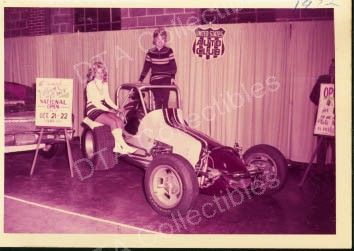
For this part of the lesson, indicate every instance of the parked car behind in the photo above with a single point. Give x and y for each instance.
(21, 134)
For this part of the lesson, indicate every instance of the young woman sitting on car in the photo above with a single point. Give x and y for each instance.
(101, 108)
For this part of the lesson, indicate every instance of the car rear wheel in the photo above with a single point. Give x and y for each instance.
(273, 164)
(170, 184)
(97, 146)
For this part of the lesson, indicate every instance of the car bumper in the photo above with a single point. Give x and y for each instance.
(15, 142)
(22, 148)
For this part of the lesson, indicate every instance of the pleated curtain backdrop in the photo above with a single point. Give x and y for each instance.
(257, 92)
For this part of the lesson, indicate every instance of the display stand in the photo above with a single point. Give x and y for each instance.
(54, 98)
(68, 147)
(319, 142)
(325, 121)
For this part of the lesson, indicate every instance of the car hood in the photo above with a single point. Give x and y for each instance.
(174, 117)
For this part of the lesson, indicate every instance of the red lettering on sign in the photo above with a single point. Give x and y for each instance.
(328, 91)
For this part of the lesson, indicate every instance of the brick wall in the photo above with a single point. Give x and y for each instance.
(38, 21)
(135, 18)
(281, 15)
(16, 22)
(41, 21)
(62, 20)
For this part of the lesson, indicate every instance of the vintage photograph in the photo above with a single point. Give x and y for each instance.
(170, 120)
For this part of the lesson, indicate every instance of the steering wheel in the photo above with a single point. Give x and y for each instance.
(126, 106)
(122, 115)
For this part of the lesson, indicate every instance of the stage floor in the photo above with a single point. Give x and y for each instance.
(113, 201)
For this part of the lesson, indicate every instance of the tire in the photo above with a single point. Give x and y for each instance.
(175, 169)
(52, 150)
(97, 146)
(274, 165)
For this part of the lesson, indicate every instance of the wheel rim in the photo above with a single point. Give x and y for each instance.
(166, 186)
(264, 162)
(269, 176)
(89, 145)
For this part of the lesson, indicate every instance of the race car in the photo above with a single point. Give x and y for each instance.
(179, 161)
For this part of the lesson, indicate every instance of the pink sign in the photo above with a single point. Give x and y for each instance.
(325, 121)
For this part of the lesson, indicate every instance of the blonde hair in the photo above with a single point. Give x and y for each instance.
(159, 32)
(92, 71)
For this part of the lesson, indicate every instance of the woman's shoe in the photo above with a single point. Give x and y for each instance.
(120, 145)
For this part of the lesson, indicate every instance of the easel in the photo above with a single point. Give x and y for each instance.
(319, 142)
(70, 157)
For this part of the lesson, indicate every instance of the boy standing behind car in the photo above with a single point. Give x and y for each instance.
(163, 66)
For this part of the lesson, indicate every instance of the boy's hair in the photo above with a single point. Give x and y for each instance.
(92, 71)
(159, 32)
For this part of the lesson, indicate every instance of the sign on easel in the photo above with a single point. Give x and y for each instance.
(54, 98)
(325, 121)
(54, 102)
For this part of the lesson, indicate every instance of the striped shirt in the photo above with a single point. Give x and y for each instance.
(161, 62)
(98, 98)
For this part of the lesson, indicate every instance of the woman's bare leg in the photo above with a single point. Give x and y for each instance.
(117, 120)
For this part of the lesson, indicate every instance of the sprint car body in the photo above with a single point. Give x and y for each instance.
(180, 161)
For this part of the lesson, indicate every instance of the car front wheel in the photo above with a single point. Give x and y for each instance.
(171, 185)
